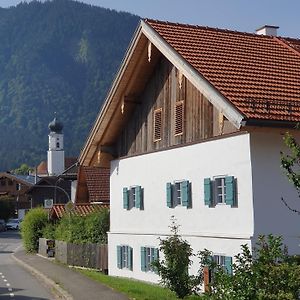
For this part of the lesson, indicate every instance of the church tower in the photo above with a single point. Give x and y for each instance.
(56, 153)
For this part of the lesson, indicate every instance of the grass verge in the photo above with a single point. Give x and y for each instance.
(134, 289)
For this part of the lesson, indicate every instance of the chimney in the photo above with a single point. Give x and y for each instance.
(267, 30)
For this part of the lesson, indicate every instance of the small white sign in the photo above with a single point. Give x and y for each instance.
(48, 203)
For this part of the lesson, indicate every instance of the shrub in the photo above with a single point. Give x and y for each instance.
(89, 229)
(48, 231)
(32, 228)
(174, 268)
(267, 274)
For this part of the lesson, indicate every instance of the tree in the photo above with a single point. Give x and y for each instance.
(268, 273)
(174, 268)
(291, 165)
(24, 169)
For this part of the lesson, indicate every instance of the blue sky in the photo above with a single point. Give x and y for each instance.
(241, 15)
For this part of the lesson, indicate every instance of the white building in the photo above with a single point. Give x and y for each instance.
(193, 128)
(56, 153)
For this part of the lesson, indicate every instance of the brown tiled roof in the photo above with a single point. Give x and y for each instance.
(97, 180)
(259, 74)
(82, 209)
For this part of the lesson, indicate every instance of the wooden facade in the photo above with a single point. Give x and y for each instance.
(186, 115)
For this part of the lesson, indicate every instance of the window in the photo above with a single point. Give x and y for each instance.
(57, 145)
(224, 262)
(179, 193)
(148, 256)
(157, 126)
(3, 182)
(124, 257)
(222, 189)
(10, 182)
(133, 197)
(18, 186)
(179, 118)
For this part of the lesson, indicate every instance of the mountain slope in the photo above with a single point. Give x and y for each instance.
(57, 56)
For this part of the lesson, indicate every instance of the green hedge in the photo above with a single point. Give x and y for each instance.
(32, 228)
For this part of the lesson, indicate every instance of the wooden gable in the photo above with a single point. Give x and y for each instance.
(185, 115)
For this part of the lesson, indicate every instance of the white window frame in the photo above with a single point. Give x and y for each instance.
(177, 192)
(125, 252)
(150, 254)
(133, 189)
(220, 189)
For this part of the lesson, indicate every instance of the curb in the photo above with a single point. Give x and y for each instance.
(58, 292)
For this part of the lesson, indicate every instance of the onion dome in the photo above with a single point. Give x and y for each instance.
(55, 126)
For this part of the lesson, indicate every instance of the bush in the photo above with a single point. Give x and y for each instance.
(79, 230)
(174, 268)
(267, 274)
(48, 231)
(32, 228)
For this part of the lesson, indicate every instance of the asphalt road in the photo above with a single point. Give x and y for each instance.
(15, 282)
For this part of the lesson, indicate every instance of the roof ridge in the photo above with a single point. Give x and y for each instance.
(148, 20)
(282, 41)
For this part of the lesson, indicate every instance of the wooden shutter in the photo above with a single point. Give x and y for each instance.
(130, 257)
(138, 197)
(228, 264)
(119, 257)
(125, 198)
(179, 117)
(143, 259)
(207, 192)
(169, 195)
(185, 193)
(157, 126)
(230, 190)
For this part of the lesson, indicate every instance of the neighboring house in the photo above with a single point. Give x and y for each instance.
(16, 187)
(193, 128)
(70, 174)
(93, 185)
(50, 190)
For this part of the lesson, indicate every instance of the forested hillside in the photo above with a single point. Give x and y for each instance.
(57, 56)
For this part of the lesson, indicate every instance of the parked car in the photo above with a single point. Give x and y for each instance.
(2, 225)
(13, 224)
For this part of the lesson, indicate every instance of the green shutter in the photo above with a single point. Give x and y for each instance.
(207, 192)
(125, 198)
(230, 190)
(119, 257)
(228, 264)
(169, 195)
(130, 257)
(156, 257)
(143, 259)
(138, 197)
(185, 193)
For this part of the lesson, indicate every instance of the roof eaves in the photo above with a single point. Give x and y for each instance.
(197, 79)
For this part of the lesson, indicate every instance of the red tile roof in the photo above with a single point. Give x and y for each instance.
(259, 74)
(97, 181)
(82, 209)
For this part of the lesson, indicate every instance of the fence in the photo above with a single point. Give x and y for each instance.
(93, 256)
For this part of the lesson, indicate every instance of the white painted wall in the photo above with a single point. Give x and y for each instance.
(73, 190)
(269, 185)
(205, 227)
(55, 162)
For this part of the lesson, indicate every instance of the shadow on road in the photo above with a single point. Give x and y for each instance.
(6, 252)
